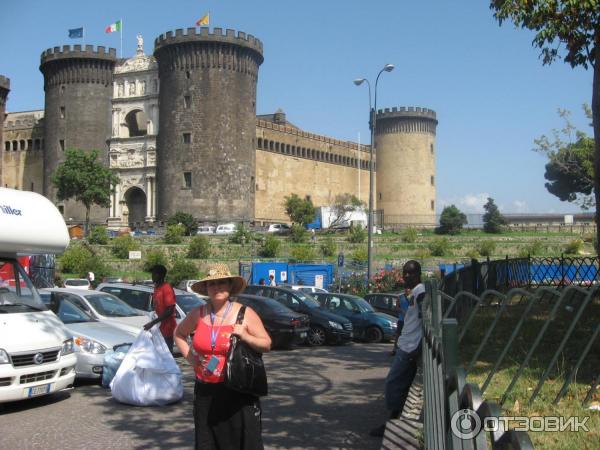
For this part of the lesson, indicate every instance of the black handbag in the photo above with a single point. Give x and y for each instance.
(244, 368)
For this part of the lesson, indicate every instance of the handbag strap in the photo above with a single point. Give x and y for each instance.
(240, 316)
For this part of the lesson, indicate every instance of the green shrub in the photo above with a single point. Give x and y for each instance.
(98, 235)
(96, 265)
(439, 246)
(74, 258)
(302, 253)
(298, 234)
(409, 235)
(486, 248)
(357, 234)
(328, 247)
(185, 219)
(174, 234)
(472, 253)
(359, 255)
(270, 247)
(153, 258)
(422, 253)
(532, 249)
(182, 269)
(574, 247)
(451, 221)
(242, 235)
(199, 248)
(122, 245)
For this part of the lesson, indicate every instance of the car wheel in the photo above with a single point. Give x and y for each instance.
(316, 336)
(373, 334)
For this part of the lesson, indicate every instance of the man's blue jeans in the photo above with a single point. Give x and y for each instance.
(399, 379)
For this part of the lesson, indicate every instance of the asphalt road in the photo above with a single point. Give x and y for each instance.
(320, 398)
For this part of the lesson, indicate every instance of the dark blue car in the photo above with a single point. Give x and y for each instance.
(369, 325)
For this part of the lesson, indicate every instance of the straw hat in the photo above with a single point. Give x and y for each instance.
(219, 272)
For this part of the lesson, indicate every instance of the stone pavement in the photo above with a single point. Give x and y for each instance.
(320, 398)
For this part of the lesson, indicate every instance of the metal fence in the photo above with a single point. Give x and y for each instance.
(453, 408)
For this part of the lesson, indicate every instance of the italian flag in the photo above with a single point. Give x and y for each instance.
(113, 27)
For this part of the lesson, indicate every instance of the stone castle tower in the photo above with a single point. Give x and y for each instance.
(405, 145)
(78, 87)
(4, 90)
(207, 141)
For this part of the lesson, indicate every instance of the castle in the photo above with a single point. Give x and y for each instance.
(180, 130)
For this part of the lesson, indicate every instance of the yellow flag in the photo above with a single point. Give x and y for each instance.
(204, 20)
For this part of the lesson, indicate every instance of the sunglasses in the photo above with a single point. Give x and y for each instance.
(217, 283)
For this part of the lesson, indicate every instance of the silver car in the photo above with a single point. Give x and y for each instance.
(92, 338)
(103, 306)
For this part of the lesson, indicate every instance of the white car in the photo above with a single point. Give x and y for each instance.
(101, 306)
(280, 228)
(308, 289)
(205, 230)
(186, 285)
(226, 228)
(77, 283)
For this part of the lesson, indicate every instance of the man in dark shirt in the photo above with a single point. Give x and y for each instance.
(163, 300)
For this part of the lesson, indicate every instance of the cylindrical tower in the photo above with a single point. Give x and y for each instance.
(207, 122)
(4, 90)
(78, 86)
(405, 146)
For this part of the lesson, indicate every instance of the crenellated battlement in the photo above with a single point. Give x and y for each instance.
(305, 134)
(406, 111)
(77, 51)
(4, 83)
(205, 35)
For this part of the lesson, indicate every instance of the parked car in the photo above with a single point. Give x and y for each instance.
(308, 289)
(92, 338)
(186, 285)
(139, 296)
(77, 283)
(324, 325)
(286, 327)
(226, 228)
(279, 228)
(205, 230)
(370, 325)
(389, 303)
(101, 306)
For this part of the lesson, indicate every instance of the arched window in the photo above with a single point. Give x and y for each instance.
(260, 143)
(137, 123)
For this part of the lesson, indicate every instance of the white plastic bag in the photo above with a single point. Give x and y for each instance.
(148, 375)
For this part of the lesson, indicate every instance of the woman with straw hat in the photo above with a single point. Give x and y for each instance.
(223, 418)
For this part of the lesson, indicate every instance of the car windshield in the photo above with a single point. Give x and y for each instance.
(362, 304)
(78, 282)
(273, 305)
(188, 302)
(111, 306)
(17, 293)
(307, 299)
(69, 313)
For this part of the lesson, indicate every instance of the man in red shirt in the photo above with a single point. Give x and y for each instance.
(164, 305)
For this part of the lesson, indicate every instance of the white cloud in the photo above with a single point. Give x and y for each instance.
(520, 206)
(469, 203)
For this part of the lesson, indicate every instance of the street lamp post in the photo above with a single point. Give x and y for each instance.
(372, 126)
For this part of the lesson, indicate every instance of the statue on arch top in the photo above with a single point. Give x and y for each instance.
(140, 44)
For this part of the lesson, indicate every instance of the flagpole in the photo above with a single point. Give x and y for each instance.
(83, 37)
(121, 20)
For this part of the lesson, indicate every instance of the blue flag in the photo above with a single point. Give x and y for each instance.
(76, 33)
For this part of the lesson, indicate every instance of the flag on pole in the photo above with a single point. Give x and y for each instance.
(204, 20)
(113, 27)
(76, 33)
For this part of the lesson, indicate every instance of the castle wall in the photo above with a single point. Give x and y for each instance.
(207, 113)
(405, 145)
(78, 85)
(22, 154)
(289, 160)
(4, 90)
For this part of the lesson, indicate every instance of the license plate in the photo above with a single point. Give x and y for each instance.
(303, 335)
(38, 390)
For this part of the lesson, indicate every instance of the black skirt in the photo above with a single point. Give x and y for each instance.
(225, 419)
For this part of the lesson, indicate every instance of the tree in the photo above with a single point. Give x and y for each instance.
(185, 219)
(570, 169)
(492, 219)
(83, 177)
(451, 221)
(576, 25)
(342, 206)
(300, 211)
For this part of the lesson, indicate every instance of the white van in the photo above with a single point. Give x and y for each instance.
(36, 351)
(226, 228)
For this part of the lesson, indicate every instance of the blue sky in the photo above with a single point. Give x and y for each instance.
(492, 95)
